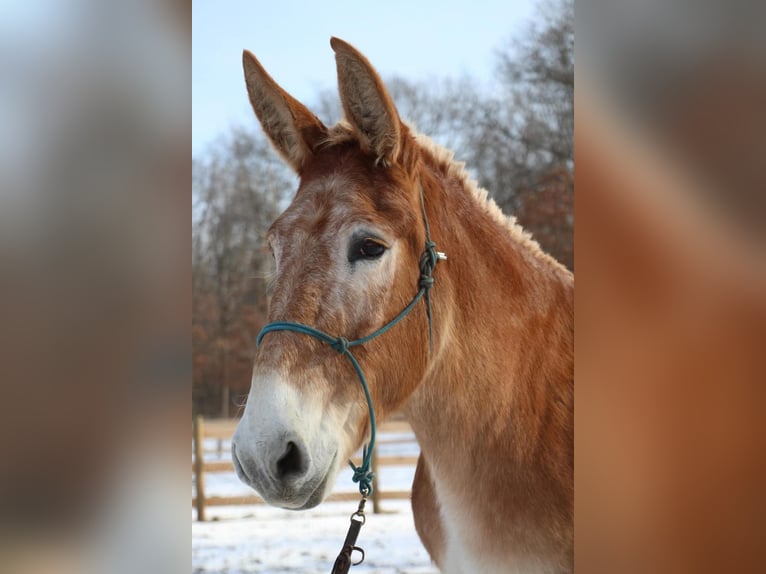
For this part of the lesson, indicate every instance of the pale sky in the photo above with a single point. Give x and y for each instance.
(414, 39)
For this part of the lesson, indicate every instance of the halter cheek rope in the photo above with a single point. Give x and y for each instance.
(363, 474)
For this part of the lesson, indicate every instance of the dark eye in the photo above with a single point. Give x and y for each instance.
(366, 248)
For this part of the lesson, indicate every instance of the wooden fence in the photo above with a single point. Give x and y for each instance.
(223, 429)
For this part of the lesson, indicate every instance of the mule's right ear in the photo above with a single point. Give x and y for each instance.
(290, 126)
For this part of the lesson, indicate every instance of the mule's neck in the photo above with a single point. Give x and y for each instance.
(502, 366)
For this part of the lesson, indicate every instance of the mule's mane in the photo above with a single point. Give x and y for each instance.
(443, 160)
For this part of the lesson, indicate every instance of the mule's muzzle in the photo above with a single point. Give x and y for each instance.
(281, 471)
(280, 462)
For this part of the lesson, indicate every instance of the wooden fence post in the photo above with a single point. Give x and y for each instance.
(199, 465)
(375, 491)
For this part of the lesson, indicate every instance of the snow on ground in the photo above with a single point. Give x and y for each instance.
(261, 539)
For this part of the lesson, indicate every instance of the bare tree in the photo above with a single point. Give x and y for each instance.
(521, 140)
(238, 187)
(526, 130)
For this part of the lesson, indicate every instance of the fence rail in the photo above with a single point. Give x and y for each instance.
(223, 429)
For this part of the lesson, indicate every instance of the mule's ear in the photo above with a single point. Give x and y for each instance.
(366, 103)
(290, 126)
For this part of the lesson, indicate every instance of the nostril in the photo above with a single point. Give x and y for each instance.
(291, 463)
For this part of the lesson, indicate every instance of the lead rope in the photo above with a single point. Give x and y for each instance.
(363, 473)
(343, 561)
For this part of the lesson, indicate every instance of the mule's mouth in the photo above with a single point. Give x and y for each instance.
(288, 495)
(318, 494)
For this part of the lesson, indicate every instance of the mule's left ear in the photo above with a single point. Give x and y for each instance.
(366, 103)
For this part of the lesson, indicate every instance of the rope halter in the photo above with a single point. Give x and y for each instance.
(363, 474)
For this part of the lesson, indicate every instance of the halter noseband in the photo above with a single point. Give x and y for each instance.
(363, 473)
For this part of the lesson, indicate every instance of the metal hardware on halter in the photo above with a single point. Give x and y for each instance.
(343, 561)
(441, 255)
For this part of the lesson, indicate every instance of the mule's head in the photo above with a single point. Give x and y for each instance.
(346, 253)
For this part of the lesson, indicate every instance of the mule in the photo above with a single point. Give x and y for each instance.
(487, 386)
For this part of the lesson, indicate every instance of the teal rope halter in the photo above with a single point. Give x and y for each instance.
(363, 474)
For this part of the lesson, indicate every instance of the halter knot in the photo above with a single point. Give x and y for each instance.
(428, 261)
(427, 264)
(364, 478)
(340, 345)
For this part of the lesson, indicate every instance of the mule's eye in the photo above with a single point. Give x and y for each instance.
(366, 248)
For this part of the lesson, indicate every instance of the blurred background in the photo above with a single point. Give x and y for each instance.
(671, 286)
(94, 289)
